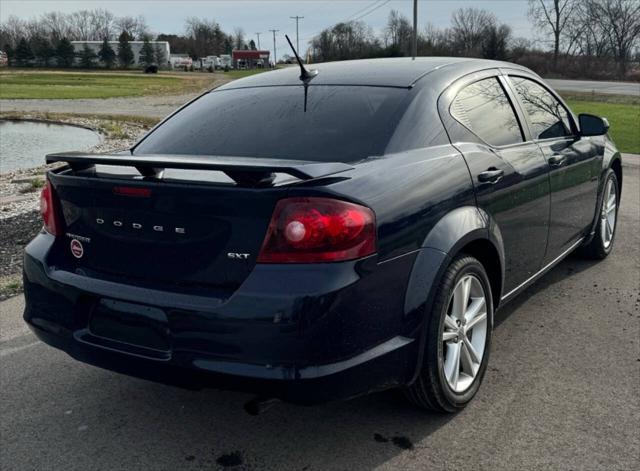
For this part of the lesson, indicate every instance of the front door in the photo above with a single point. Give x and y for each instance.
(573, 164)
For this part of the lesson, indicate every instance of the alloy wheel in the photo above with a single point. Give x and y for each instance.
(465, 333)
(608, 214)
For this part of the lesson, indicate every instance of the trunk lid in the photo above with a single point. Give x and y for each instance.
(168, 229)
(179, 234)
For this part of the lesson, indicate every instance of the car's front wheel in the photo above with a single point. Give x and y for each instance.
(458, 339)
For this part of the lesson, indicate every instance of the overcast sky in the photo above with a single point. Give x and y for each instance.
(167, 16)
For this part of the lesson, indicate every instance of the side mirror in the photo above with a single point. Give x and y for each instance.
(591, 125)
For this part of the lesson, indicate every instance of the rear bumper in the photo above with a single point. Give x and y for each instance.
(303, 334)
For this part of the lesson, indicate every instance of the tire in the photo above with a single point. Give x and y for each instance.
(435, 387)
(601, 244)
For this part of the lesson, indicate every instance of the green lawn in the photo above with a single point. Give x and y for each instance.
(48, 84)
(623, 115)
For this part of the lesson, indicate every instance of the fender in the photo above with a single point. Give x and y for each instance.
(450, 234)
(611, 157)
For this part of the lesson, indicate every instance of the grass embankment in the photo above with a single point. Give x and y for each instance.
(23, 84)
(623, 113)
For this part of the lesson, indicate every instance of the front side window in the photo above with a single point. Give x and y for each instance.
(484, 108)
(548, 117)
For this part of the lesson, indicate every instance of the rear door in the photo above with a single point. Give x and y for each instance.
(510, 173)
(573, 162)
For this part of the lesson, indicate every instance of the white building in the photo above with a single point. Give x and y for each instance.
(136, 47)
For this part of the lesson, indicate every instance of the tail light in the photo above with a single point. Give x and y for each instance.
(50, 210)
(311, 230)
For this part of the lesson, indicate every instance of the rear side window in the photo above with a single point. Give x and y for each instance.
(484, 108)
(548, 117)
(341, 123)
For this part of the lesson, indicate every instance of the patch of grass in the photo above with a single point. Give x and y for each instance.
(623, 116)
(22, 84)
(10, 285)
(115, 129)
(34, 185)
(601, 98)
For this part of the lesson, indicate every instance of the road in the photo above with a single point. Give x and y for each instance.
(561, 392)
(590, 86)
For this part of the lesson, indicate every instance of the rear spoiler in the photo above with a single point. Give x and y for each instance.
(247, 169)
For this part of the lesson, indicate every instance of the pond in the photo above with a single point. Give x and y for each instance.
(23, 144)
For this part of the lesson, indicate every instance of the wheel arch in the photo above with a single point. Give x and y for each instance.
(616, 166)
(464, 230)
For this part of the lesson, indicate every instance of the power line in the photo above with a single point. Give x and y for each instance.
(371, 11)
(362, 9)
(362, 12)
(384, 2)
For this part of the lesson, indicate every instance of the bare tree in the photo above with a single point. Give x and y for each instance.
(553, 16)
(350, 40)
(621, 23)
(102, 24)
(57, 25)
(398, 33)
(136, 27)
(468, 26)
(205, 38)
(238, 39)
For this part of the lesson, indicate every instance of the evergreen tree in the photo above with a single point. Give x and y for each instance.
(87, 57)
(147, 54)
(106, 54)
(160, 56)
(24, 54)
(42, 50)
(227, 45)
(125, 54)
(252, 45)
(65, 53)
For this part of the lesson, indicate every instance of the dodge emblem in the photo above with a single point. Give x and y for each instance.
(77, 250)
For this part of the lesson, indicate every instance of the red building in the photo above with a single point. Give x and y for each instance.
(249, 59)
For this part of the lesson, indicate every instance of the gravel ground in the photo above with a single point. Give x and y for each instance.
(19, 197)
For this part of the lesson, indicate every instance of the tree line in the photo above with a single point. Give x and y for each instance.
(39, 51)
(46, 40)
(577, 38)
(586, 38)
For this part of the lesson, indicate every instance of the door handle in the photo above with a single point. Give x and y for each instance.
(492, 175)
(557, 160)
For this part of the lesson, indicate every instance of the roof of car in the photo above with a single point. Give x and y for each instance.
(388, 72)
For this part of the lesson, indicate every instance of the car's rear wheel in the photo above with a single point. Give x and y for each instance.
(458, 339)
(602, 242)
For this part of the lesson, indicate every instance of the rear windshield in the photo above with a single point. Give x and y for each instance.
(341, 123)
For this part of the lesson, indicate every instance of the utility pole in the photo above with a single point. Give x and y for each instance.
(414, 46)
(258, 34)
(297, 18)
(275, 57)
